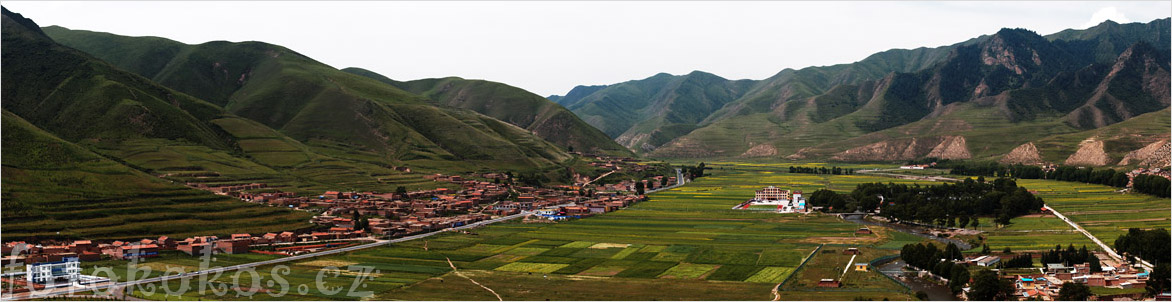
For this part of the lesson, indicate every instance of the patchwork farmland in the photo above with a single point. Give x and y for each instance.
(682, 244)
(685, 236)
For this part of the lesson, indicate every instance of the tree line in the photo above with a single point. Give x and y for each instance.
(950, 205)
(930, 258)
(821, 170)
(1071, 256)
(1147, 184)
(1152, 184)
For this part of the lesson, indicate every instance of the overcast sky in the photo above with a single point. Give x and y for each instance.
(550, 47)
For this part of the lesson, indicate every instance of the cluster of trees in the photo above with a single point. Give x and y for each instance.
(1074, 291)
(1071, 256)
(1150, 245)
(360, 223)
(951, 205)
(987, 286)
(694, 172)
(821, 170)
(1147, 184)
(930, 258)
(1025, 260)
(829, 201)
(639, 188)
(1152, 184)
(532, 179)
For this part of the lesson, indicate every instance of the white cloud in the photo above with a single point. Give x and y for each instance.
(1104, 14)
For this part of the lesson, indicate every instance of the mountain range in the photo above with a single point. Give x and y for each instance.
(953, 101)
(101, 129)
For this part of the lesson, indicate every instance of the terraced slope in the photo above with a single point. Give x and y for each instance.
(54, 189)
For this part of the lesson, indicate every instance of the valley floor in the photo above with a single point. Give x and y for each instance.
(683, 244)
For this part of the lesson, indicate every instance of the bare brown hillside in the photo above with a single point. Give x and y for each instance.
(1026, 154)
(1090, 153)
(1153, 155)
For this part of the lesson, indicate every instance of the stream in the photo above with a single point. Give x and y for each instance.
(936, 292)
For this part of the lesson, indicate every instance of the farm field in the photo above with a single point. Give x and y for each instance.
(1101, 210)
(832, 263)
(1032, 233)
(686, 236)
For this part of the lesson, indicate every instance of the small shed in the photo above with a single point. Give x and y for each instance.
(863, 231)
(851, 251)
(862, 267)
(829, 283)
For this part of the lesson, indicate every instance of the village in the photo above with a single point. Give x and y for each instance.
(349, 218)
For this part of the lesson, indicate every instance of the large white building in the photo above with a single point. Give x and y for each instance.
(786, 201)
(68, 269)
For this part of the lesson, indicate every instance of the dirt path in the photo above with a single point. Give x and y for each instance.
(454, 270)
(776, 295)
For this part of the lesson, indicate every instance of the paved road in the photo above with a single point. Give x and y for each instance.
(106, 285)
(1110, 251)
(679, 182)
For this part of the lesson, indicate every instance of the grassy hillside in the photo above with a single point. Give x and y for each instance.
(55, 189)
(511, 105)
(148, 130)
(644, 114)
(343, 115)
(1012, 82)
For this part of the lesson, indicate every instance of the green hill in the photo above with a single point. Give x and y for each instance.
(53, 189)
(334, 113)
(512, 105)
(895, 105)
(121, 141)
(644, 114)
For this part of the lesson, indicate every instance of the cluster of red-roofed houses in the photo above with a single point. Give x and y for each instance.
(19, 252)
(383, 214)
(1048, 281)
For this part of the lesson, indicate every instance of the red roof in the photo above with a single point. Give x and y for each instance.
(144, 246)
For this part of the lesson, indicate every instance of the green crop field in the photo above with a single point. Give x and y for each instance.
(689, 235)
(1100, 210)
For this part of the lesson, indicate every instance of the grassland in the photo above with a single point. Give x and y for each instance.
(61, 190)
(683, 238)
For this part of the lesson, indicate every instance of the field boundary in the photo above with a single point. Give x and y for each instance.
(800, 266)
